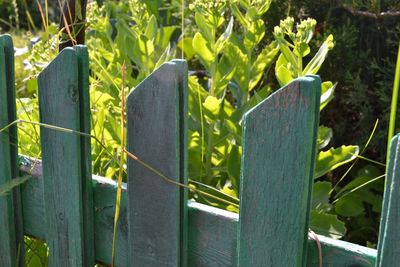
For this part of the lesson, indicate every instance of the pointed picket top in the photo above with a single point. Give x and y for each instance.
(63, 102)
(156, 126)
(277, 174)
(389, 234)
(11, 222)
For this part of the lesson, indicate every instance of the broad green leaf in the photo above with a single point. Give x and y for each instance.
(234, 160)
(327, 93)
(212, 107)
(151, 29)
(153, 6)
(241, 76)
(164, 35)
(195, 154)
(99, 98)
(252, 13)
(203, 50)
(226, 69)
(324, 136)
(264, 59)
(254, 34)
(316, 62)
(264, 7)
(187, 47)
(141, 51)
(327, 225)
(230, 190)
(283, 74)
(333, 158)
(221, 42)
(238, 15)
(350, 205)
(363, 175)
(320, 196)
(204, 27)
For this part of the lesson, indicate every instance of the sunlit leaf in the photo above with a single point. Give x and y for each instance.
(324, 136)
(316, 62)
(327, 93)
(329, 160)
(320, 195)
(221, 42)
(203, 50)
(327, 225)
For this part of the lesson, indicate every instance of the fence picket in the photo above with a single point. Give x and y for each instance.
(389, 232)
(86, 151)
(277, 175)
(156, 216)
(11, 225)
(276, 180)
(62, 94)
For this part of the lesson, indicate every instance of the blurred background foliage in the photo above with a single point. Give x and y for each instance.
(366, 35)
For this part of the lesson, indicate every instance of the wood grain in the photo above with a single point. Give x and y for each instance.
(277, 175)
(389, 233)
(63, 169)
(156, 214)
(86, 152)
(11, 227)
(182, 71)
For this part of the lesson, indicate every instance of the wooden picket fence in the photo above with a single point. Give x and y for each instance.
(73, 210)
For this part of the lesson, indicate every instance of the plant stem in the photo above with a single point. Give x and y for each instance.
(393, 108)
(209, 151)
(300, 66)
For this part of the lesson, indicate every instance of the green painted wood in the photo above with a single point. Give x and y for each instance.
(86, 151)
(11, 227)
(212, 232)
(182, 70)
(154, 134)
(277, 174)
(389, 233)
(60, 90)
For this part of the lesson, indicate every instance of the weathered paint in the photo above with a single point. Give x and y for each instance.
(212, 231)
(160, 116)
(155, 133)
(11, 227)
(60, 92)
(277, 175)
(389, 233)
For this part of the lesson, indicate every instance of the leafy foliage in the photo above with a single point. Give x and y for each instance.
(235, 60)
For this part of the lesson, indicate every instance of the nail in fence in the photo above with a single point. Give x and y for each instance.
(73, 210)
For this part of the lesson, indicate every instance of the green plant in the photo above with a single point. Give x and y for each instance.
(218, 101)
(228, 45)
(395, 95)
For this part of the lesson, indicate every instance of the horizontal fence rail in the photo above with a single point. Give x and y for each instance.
(73, 210)
(211, 231)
